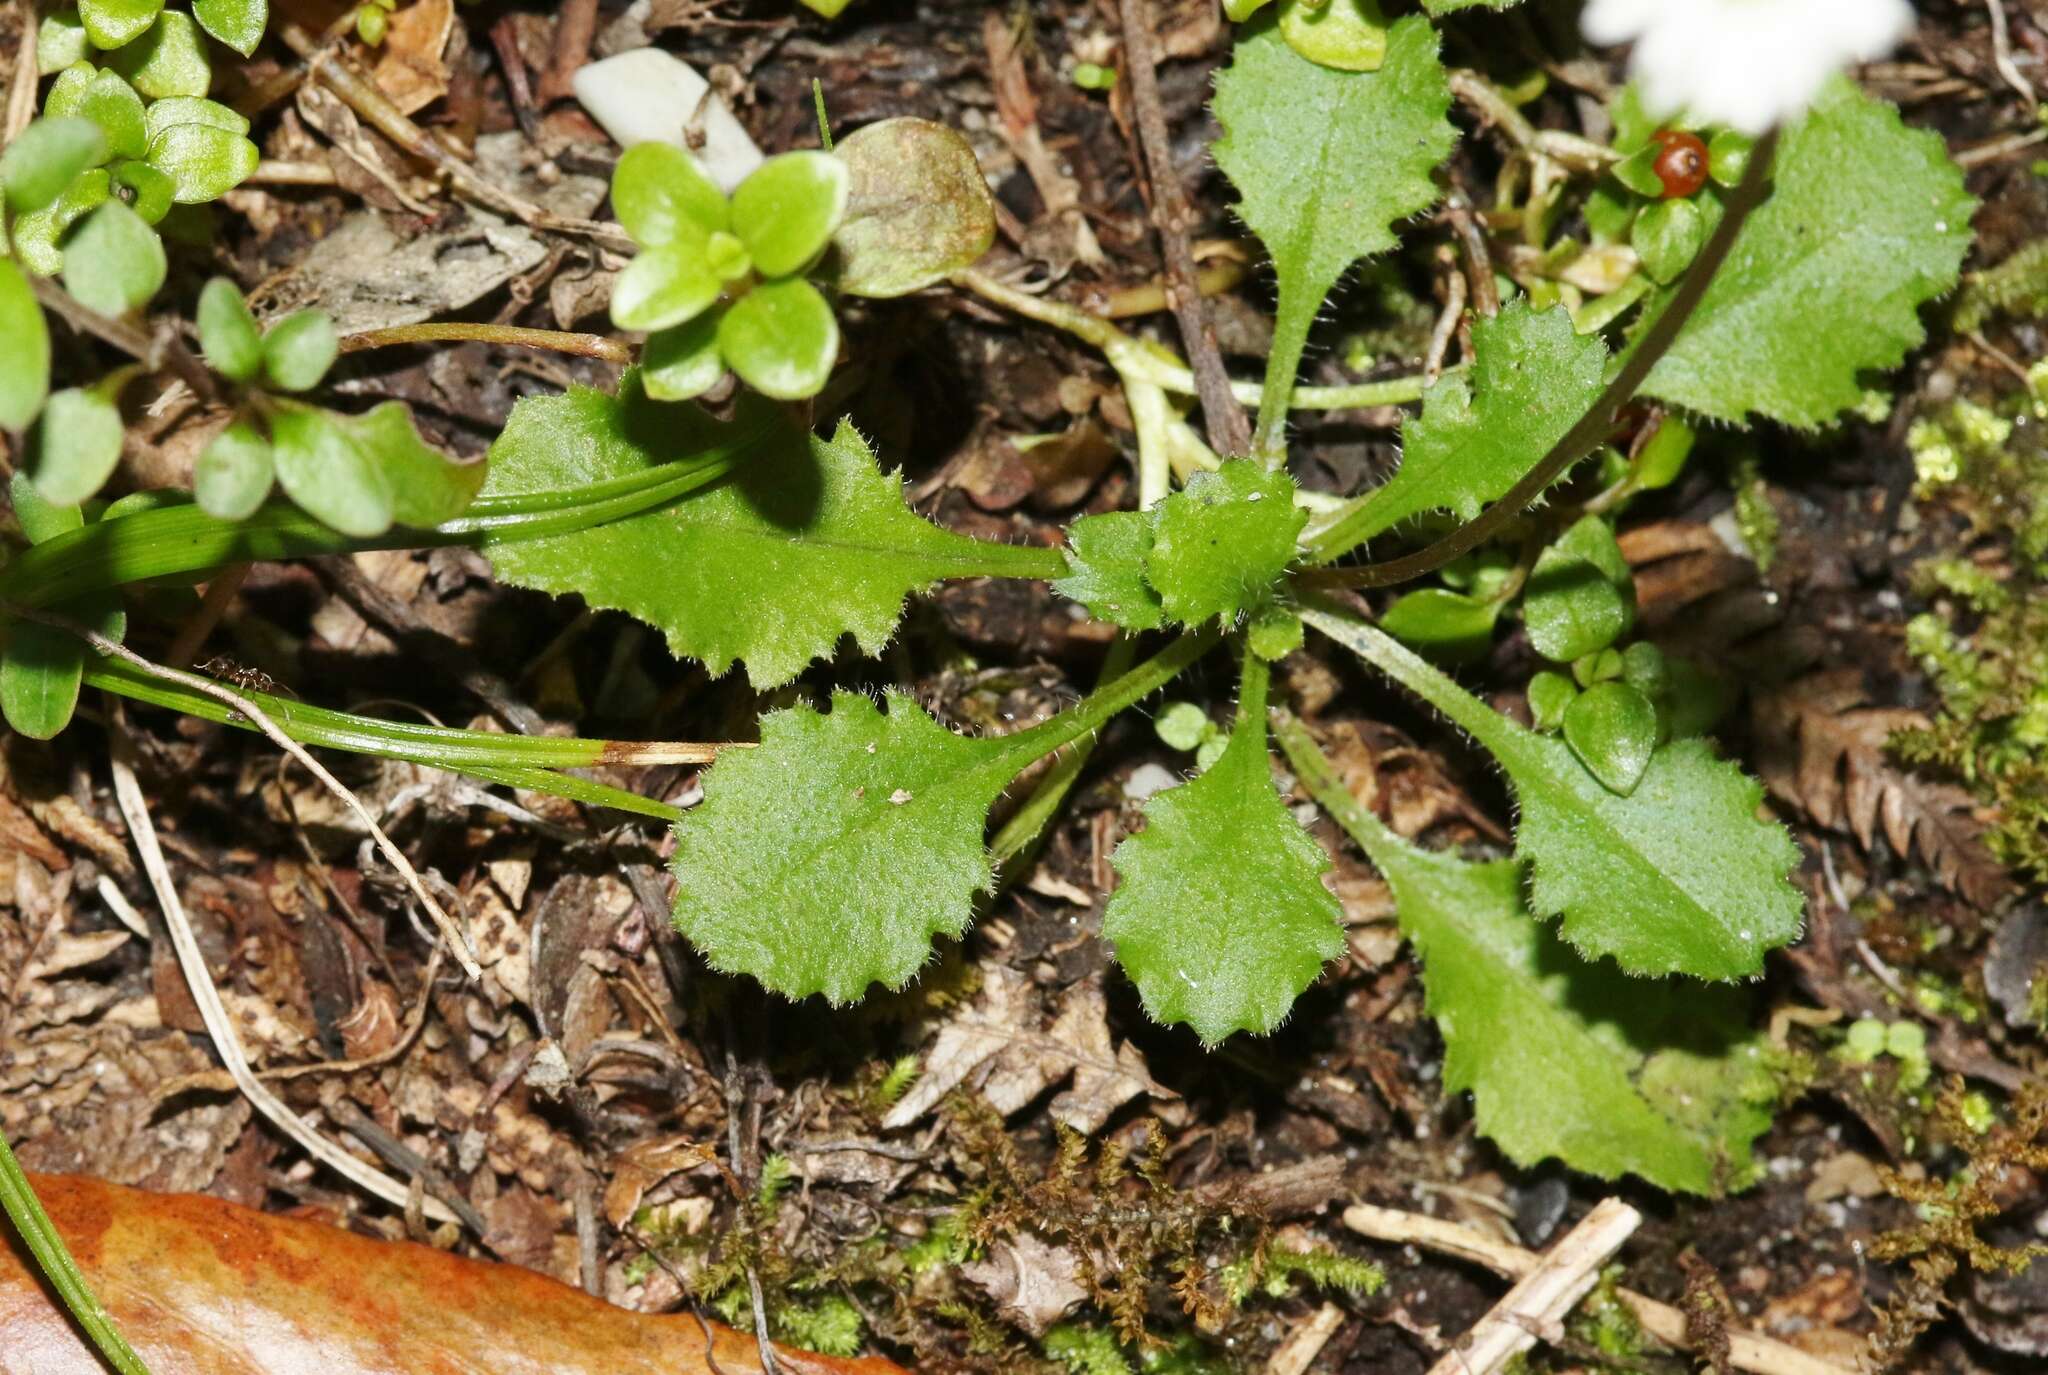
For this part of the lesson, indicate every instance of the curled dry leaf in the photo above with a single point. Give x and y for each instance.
(1823, 750)
(918, 208)
(198, 1284)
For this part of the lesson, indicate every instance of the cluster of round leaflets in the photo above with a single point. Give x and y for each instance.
(726, 283)
(358, 473)
(719, 282)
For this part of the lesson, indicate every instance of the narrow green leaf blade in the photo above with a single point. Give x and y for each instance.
(1564, 1058)
(1679, 877)
(1866, 220)
(1222, 918)
(24, 349)
(1325, 163)
(810, 541)
(830, 857)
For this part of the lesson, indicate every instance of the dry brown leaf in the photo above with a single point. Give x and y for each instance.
(1034, 1284)
(641, 1167)
(409, 65)
(1822, 750)
(196, 1284)
(1002, 1038)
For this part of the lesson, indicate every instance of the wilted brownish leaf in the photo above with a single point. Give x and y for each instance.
(1822, 750)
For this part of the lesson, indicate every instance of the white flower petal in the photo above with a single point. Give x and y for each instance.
(1747, 64)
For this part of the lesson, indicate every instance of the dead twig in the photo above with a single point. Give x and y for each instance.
(1229, 430)
(199, 979)
(1746, 1350)
(1306, 1342)
(575, 26)
(465, 955)
(1537, 1305)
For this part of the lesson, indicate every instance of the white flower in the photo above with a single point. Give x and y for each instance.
(1748, 64)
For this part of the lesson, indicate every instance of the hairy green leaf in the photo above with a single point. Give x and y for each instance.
(1220, 544)
(203, 162)
(1679, 877)
(1325, 163)
(1106, 569)
(1222, 918)
(1482, 430)
(1867, 219)
(828, 858)
(1563, 1058)
(807, 542)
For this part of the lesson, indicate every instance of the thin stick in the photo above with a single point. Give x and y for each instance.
(1295, 1355)
(511, 336)
(21, 91)
(135, 811)
(1746, 1350)
(465, 954)
(1538, 1303)
(1228, 429)
(1598, 419)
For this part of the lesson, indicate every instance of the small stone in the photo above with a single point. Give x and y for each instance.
(652, 96)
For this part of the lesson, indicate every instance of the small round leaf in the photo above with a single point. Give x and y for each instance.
(24, 349)
(1349, 35)
(227, 332)
(664, 287)
(237, 23)
(74, 447)
(150, 192)
(662, 196)
(786, 210)
(168, 60)
(1612, 728)
(1273, 632)
(113, 262)
(1183, 725)
(1449, 627)
(47, 158)
(1667, 236)
(37, 232)
(203, 162)
(427, 486)
(782, 339)
(61, 41)
(114, 23)
(1550, 693)
(681, 363)
(917, 208)
(299, 349)
(232, 475)
(184, 109)
(327, 473)
(106, 100)
(1580, 598)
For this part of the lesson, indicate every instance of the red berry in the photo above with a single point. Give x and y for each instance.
(1681, 162)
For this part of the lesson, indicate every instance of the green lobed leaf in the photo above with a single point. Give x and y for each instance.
(829, 857)
(781, 338)
(299, 349)
(807, 542)
(237, 23)
(1866, 220)
(233, 473)
(76, 443)
(1106, 569)
(111, 23)
(47, 157)
(1679, 877)
(1220, 544)
(1482, 430)
(917, 208)
(787, 209)
(227, 332)
(24, 349)
(323, 469)
(113, 261)
(203, 162)
(1221, 918)
(1563, 1058)
(169, 60)
(1325, 163)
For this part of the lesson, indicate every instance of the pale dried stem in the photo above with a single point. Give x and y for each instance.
(1540, 1301)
